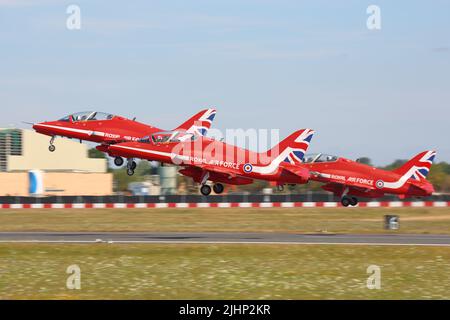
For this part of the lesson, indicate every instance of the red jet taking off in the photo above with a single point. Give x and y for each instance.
(348, 179)
(205, 159)
(108, 129)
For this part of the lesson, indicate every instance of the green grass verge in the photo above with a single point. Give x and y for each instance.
(113, 271)
(305, 220)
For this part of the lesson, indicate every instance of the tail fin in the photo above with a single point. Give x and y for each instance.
(419, 166)
(293, 148)
(200, 123)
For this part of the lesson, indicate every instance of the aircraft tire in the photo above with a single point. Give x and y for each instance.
(51, 148)
(130, 172)
(353, 201)
(118, 161)
(280, 187)
(345, 201)
(133, 165)
(205, 190)
(218, 188)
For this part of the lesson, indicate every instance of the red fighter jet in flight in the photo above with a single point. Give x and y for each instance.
(206, 159)
(108, 129)
(348, 179)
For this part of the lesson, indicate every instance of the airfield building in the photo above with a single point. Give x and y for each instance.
(67, 171)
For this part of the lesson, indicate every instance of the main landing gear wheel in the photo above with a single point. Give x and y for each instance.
(280, 187)
(205, 190)
(349, 201)
(52, 148)
(345, 201)
(130, 172)
(131, 164)
(218, 188)
(118, 161)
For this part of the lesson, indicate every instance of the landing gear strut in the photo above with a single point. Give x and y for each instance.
(131, 166)
(218, 188)
(349, 201)
(118, 161)
(52, 148)
(205, 189)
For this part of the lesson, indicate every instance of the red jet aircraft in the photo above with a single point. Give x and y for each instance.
(348, 179)
(108, 129)
(206, 159)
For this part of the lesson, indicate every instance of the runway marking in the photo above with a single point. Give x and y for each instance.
(223, 242)
(326, 204)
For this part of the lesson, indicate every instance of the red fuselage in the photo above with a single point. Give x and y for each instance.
(223, 162)
(117, 129)
(365, 181)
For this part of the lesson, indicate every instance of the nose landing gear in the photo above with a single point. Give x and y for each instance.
(51, 147)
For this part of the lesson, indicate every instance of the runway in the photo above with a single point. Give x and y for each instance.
(225, 238)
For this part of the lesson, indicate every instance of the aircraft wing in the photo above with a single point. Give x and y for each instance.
(338, 188)
(216, 169)
(300, 172)
(217, 174)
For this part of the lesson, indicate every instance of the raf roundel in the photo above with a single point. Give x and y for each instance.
(380, 184)
(248, 168)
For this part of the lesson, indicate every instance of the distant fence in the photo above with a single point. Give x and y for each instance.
(198, 201)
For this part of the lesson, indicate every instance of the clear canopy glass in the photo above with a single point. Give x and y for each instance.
(88, 116)
(169, 137)
(319, 157)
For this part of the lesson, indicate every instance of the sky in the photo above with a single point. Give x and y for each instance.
(265, 64)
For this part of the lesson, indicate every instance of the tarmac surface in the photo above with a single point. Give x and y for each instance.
(224, 237)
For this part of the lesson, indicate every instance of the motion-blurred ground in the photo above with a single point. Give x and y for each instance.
(112, 271)
(224, 271)
(303, 220)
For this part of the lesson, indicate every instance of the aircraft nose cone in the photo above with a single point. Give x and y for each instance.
(36, 126)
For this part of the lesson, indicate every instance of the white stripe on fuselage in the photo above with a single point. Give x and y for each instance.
(159, 153)
(273, 166)
(398, 184)
(88, 132)
(261, 170)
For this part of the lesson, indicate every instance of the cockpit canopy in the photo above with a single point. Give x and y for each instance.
(319, 157)
(88, 116)
(169, 137)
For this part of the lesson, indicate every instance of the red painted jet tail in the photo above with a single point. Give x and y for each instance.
(293, 148)
(200, 123)
(418, 167)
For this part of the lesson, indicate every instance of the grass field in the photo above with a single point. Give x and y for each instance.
(112, 271)
(304, 220)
